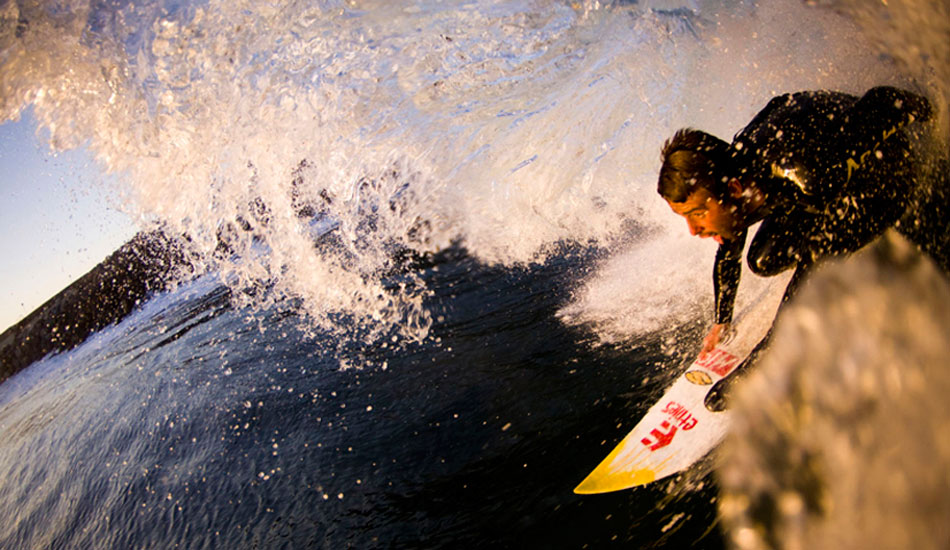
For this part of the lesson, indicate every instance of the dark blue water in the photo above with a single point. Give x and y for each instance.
(195, 424)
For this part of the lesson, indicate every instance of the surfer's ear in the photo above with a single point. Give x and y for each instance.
(734, 187)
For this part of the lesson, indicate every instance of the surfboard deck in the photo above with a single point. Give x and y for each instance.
(678, 430)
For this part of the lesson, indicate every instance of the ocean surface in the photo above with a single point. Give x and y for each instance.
(194, 424)
(430, 281)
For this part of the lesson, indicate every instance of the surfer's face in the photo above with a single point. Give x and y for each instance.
(707, 216)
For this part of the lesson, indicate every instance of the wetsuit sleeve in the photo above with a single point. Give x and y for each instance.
(726, 274)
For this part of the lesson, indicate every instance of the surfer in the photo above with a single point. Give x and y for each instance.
(825, 173)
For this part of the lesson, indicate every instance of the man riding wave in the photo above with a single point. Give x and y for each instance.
(824, 172)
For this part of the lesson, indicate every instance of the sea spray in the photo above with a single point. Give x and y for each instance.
(840, 435)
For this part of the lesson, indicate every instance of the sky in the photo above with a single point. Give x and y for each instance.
(59, 218)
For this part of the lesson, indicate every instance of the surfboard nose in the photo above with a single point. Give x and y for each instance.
(605, 481)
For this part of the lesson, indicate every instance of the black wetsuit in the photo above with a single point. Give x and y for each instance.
(836, 171)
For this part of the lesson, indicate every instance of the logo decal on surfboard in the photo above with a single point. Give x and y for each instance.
(679, 418)
(662, 438)
(718, 361)
(698, 377)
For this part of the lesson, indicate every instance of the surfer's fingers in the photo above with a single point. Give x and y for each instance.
(714, 337)
(709, 342)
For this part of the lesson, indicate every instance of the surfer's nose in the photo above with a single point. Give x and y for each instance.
(694, 229)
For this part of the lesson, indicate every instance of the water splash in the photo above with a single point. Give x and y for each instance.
(511, 127)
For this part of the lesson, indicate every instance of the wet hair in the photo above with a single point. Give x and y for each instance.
(692, 160)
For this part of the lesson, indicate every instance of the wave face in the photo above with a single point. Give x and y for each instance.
(511, 127)
(195, 424)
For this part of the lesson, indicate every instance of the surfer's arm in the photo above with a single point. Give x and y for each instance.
(726, 274)
(874, 118)
(885, 107)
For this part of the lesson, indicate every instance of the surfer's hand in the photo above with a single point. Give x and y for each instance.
(713, 338)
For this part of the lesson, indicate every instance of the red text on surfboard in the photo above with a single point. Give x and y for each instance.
(680, 415)
(718, 361)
